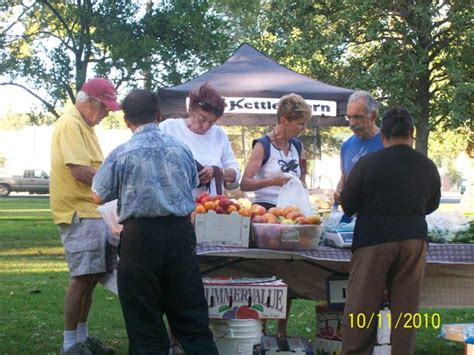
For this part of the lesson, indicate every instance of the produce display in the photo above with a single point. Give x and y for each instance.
(220, 204)
(275, 228)
(258, 214)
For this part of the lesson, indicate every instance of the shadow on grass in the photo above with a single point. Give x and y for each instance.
(31, 321)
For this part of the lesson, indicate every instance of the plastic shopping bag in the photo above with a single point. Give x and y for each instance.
(109, 214)
(294, 193)
(337, 219)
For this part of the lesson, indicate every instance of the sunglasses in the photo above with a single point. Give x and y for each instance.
(291, 165)
(206, 106)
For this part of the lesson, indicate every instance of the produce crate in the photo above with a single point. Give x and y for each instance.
(246, 298)
(221, 229)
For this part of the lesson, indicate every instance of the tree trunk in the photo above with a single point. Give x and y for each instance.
(423, 125)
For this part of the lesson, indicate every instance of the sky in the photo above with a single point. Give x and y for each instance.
(16, 100)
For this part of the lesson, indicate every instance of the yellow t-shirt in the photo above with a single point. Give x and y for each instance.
(73, 142)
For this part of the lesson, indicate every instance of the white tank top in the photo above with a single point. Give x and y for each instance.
(273, 167)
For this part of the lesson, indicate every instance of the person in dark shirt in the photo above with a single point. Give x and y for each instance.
(158, 271)
(391, 191)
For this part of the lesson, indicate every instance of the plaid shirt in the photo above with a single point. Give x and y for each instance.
(151, 175)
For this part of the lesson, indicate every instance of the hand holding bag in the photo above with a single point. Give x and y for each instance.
(294, 193)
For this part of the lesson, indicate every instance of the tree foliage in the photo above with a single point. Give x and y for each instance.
(415, 54)
(49, 47)
(412, 53)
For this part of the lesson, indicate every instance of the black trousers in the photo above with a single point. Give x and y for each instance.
(158, 273)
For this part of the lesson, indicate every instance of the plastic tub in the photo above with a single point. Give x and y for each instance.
(236, 336)
(286, 236)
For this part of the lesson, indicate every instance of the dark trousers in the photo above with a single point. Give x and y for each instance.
(397, 266)
(158, 273)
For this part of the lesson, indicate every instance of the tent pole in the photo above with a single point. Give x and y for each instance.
(317, 151)
(243, 146)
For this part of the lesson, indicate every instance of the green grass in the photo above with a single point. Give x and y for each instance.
(34, 277)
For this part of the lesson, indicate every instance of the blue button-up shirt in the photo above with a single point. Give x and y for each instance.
(151, 175)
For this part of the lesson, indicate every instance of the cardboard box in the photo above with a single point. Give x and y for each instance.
(286, 236)
(336, 291)
(383, 328)
(246, 298)
(231, 230)
(329, 323)
(458, 332)
(327, 347)
(382, 350)
(292, 346)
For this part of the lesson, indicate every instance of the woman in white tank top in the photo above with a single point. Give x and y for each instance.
(277, 153)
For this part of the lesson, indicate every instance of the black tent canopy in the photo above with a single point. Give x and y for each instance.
(252, 84)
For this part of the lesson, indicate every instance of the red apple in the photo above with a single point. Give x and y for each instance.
(258, 219)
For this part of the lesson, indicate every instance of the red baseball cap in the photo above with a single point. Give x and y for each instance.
(103, 90)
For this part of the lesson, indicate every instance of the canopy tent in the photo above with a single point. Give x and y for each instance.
(252, 84)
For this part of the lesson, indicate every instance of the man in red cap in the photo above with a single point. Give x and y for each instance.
(75, 157)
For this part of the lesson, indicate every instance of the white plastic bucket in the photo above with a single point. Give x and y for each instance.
(236, 336)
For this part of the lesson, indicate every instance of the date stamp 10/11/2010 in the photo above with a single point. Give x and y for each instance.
(403, 320)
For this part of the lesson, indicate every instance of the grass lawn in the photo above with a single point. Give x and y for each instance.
(33, 279)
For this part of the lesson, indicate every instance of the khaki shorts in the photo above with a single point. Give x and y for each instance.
(86, 246)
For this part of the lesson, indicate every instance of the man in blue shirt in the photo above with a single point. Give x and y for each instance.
(362, 111)
(152, 176)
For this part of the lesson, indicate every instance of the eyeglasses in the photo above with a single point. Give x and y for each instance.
(206, 106)
(102, 105)
(355, 117)
(287, 166)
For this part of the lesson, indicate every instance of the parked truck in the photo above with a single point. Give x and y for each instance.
(33, 181)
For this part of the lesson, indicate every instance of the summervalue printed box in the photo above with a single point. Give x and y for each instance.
(329, 323)
(231, 230)
(256, 298)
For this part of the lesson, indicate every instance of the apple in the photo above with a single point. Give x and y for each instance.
(287, 221)
(277, 211)
(293, 215)
(245, 312)
(209, 205)
(231, 209)
(300, 220)
(246, 212)
(201, 196)
(225, 203)
(200, 208)
(314, 219)
(258, 210)
(258, 219)
(270, 218)
(220, 210)
(291, 208)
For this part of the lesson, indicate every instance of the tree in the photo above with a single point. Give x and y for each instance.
(415, 54)
(49, 47)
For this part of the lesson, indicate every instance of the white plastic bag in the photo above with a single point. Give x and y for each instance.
(294, 193)
(444, 225)
(109, 214)
(335, 219)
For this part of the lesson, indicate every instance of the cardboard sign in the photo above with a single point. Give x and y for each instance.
(336, 291)
(220, 229)
(245, 298)
(328, 323)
